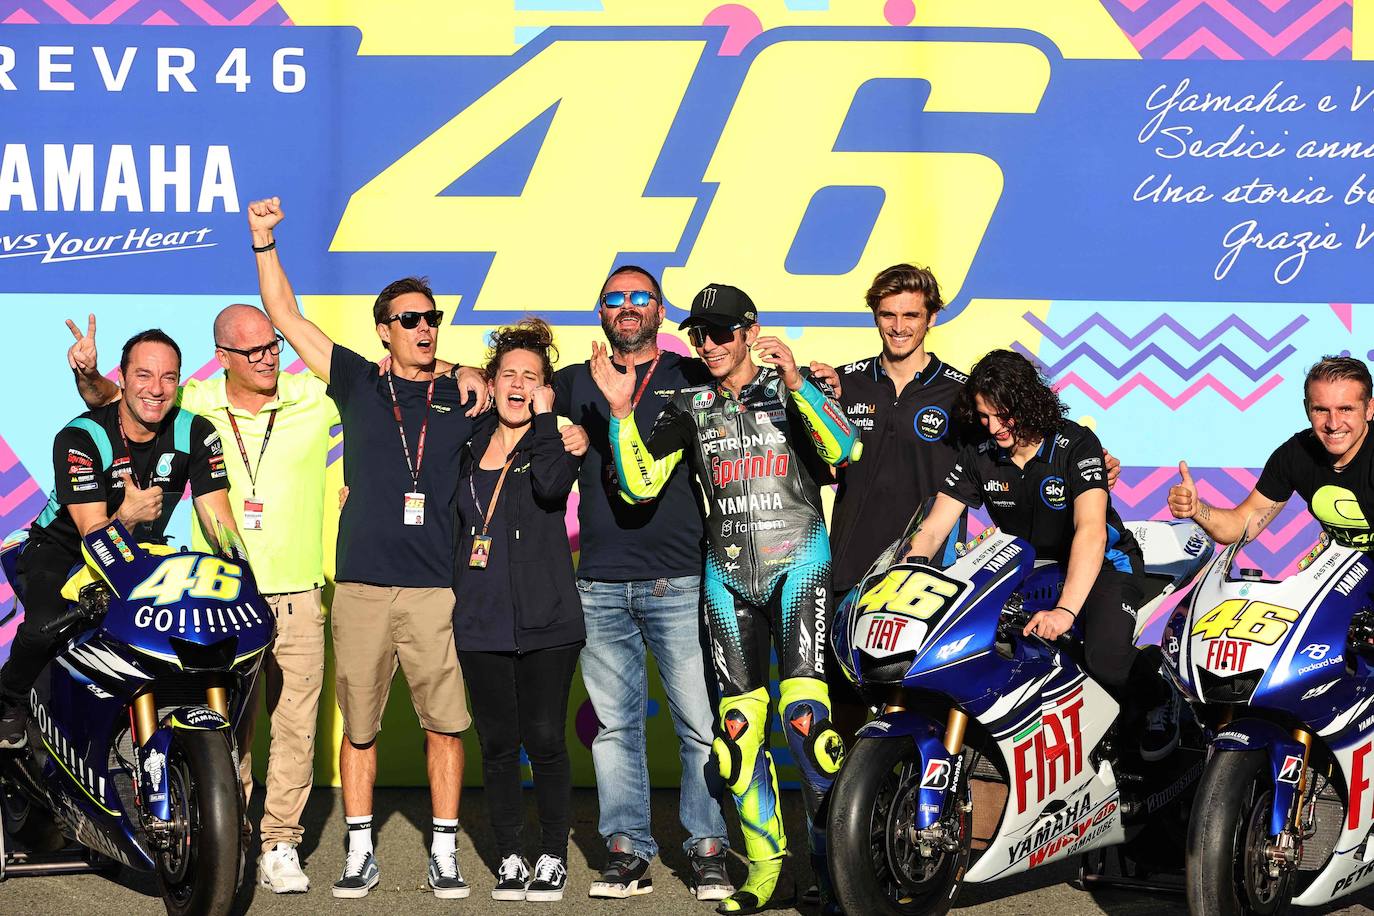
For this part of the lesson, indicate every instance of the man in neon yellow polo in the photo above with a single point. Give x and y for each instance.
(275, 429)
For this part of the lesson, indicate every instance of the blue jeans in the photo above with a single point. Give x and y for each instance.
(621, 618)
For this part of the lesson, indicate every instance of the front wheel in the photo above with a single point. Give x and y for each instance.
(1228, 867)
(875, 865)
(198, 872)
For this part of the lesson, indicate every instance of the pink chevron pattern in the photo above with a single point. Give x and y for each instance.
(20, 502)
(1173, 402)
(143, 12)
(1237, 29)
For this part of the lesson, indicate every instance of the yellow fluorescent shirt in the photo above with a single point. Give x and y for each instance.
(287, 555)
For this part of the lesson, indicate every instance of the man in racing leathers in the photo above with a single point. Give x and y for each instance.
(1331, 465)
(758, 451)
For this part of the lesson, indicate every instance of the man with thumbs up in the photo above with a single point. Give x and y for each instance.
(128, 460)
(1328, 465)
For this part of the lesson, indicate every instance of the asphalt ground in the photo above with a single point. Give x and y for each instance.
(402, 850)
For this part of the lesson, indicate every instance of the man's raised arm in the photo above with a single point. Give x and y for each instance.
(95, 389)
(1225, 526)
(305, 337)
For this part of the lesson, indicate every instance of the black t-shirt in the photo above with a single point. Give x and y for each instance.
(621, 542)
(1340, 500)
(1036, 502)
(909, 446)
(90, 459)
(484, 615)
(375, 546)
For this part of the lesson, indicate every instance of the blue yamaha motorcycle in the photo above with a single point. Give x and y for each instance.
(974, 718)
(131, 750)
(1286, 804)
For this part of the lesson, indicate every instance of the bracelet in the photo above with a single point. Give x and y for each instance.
(1060, 607)
(268, 247)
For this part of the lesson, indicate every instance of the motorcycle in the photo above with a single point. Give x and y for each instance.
(1285, 807)
(972, 710)
(131, 750)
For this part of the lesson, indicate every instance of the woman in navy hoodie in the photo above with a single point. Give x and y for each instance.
(518, 620)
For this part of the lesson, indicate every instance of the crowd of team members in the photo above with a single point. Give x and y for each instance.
(453, 563)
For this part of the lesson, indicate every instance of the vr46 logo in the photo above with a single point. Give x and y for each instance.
(200, 577)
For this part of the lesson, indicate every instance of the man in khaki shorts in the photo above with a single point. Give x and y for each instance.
(393, 605)
(275, 430)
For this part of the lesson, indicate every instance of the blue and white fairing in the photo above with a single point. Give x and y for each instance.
(1280, 649)
(174, 620)
(934, 629)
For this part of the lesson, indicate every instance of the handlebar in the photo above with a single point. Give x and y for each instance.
(92, 603)
(1015, 620)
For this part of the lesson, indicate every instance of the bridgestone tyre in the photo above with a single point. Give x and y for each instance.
(199, 874)
(874, 867)
(1226, 838)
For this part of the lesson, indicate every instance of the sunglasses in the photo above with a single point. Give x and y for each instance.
(637, 297)
(720, 336)
(256, 354)
(411, 320)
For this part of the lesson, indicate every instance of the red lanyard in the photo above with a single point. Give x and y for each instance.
(400, 427)
(243, 453)
(645, 384)
(133, 475)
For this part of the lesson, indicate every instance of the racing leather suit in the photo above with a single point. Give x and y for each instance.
(759, 458)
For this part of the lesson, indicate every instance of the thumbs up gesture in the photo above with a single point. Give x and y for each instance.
(139, 506)
(1183, 500)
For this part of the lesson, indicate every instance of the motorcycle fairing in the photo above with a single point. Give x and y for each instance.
(1351, 866)
(1285, 761)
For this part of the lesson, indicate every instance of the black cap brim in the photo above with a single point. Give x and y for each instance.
(719, 321)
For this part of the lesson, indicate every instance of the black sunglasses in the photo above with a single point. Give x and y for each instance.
(637, 297)
(411, 320)
(720, 336)
(256, 354)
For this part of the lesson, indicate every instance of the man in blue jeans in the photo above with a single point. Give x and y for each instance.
(639, 580)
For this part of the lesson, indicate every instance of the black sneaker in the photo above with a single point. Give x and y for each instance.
(512, 877)
(446, 878)
(709, 879)
(625, 874)
(14, 721)
(360, 875)
(550, 877)
(1161, 730)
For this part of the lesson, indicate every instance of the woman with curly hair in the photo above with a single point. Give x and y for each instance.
(1043, 479)
(518, 621)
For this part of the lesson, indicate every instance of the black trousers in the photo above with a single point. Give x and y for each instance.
(1131, 674)
(43, 569)
(523, 700)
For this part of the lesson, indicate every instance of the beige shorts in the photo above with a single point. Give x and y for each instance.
(376, 628)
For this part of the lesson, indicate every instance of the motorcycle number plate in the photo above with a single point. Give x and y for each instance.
(886, 633)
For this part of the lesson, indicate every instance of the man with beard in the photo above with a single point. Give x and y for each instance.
(640, 584)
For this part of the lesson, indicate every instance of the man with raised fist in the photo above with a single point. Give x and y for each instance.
(129, 460)
(1327, 465)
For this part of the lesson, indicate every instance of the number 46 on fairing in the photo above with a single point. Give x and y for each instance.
(200, 577)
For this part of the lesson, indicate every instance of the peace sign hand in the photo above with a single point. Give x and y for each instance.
(81, 356)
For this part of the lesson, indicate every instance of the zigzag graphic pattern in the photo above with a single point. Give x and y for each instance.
(20, 502)
(143, 12)
(1237, 29)
(1065, 377)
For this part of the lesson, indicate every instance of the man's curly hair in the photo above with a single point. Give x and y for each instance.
(1012, 386)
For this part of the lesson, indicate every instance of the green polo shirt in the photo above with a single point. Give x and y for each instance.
(288, 553)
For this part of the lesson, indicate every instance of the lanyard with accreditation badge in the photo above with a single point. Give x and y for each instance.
(414, 500)
(252, 506)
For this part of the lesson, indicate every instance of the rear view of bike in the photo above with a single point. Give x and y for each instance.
(131, 747)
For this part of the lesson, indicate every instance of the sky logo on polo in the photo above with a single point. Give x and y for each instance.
(1054, 492)
(931, 423)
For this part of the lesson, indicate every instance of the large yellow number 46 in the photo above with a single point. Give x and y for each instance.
(911, 592)
(1256, 621)
(200, 577)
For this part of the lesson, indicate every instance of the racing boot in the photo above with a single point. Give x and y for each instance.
(818, 752)
(14, 720)
(747, 767)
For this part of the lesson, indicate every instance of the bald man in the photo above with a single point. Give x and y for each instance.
(275, 429)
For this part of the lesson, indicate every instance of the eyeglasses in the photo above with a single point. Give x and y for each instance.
(719, 336)
(638, 298)
(411, 320)
(256, 354)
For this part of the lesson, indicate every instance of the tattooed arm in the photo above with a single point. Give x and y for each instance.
(1225, 526)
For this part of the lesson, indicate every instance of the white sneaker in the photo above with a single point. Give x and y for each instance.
(280, 869)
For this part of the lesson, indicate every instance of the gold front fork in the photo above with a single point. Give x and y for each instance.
(1304, 738)
(217, 698)
(954, 731)
(145, 717)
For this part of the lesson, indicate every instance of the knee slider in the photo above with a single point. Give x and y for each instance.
(805, 706)
(740, 735)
